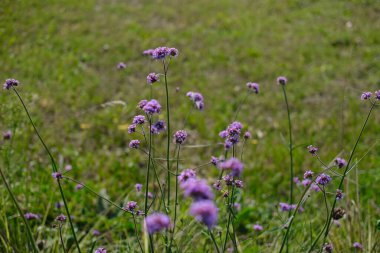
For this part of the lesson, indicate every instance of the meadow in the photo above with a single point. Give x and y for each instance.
(66, 56)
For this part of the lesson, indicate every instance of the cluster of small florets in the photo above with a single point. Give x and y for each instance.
(234, 165)
(150, 107)
(61, 218)
(254, 87)
(157, 127)
(57, 175)
(328, 247)
(121, 65)
(156, 222)
(197, 99)
(161, 52)
(180, 136)
(367, 95)
(9, 83)
(214, 160)
(339, 194)
(100, 250)
(152, 78)
(186, 175)
(135, 144)
(7, 135)
(138, 187)
(130, 206)
(231, 134)
(358, 246)
(340, 162)
(31, 216)
(281, 80)
(312, 150)
(323, 179)
(285, 207)
(139, 120)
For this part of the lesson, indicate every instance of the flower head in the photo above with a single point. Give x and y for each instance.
(197, 189)
(285, 207)
(281, 80)
(95, 232)
(312, 150)
(152, 107)
(100, 250)
(139, 120)
(340, 162)
(377, 95)
(366, 95)
(357, 245)
(79, 186)
(247, 135)
(121, 65)
(152, 78)
(214, 160)
(173, 52)
(197, 99)
(7, 135)
(232, 164)
(31, 216)
(323, 179)
(328, 247)
(131, 128)
(205, 211)
(134, 144)
(339, 194)
(308, 174)
(138, 187)
(257, 227)
(148, 52)
(130, 206)
(142, 103)
(158, 127)
(186, 175)
(57, 175)
(180, 136)
(239, 184)
(254, 87)
(217, 185)
(306, 182)
(228, 179)
(157, 222)
(10, 83)
(61, 218)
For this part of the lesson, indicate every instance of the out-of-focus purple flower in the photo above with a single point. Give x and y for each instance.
(315, 188)
(254, 87)
(79, 186)
(121, 65)
(139, 213)
(294, 207)
(58, 205)
(217, 185)
(138, 187)
(142, 103)
(223, 134)
(95, 232)
(152, 107)
(214, 160)
(186, 175)
(336, 223)
(339, 194)
(148, 52)
(160, 53)
(285, 207)
(138, 119)
(152, 78)
(237, 207)
(197, 98)
(312, 150)
(197, 189)
(232, 164)
(377, 95)
(68, 167)
(130, 206)
(10, 83)
(239, 184)
(205, 211)
(306, 182)
(228, 179)
(225, 194)
(31, 216)
(323, 179)
(308, 174)
(328, 247)
(340, 162)
(134, 144)
(180, 136)
(150, 195)
(131, 128)
(231, 134)
(296, 180)
(257, 227)
(227, 144)
(282, 80)
(357, 245)
(100, 250)
(157, 222)
(366, 95)
(7, 135)
(56, 175)
(61, 218)
(158, 127)
(173, 52)
(247, 135)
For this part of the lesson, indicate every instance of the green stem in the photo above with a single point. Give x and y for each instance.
(148, 169)
(176, 197)
(55, 169)
(60, 236)
(168, 130)
(214, 241)
(137, 235)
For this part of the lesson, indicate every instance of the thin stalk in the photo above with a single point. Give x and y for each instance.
(151, 243)
(28, 230)
(137, 235)
(176, 197)
(214, 241)
(55, 169)
(240, 105)
(60, 236)
(168, 129)
(148, 169)
(328, 222)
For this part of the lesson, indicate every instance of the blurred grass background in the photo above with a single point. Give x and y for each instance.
(65, 54)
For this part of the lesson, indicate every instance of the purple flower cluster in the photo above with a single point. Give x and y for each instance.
(121, 65)
(131, 128)
(357, 245)
(312, 150)
(197, 189)
(339, 194)
(308, 174)
(205, 211)
(134, 144)
(139, 120)
(254, 87)
(10, 83)
(340, 162)
(31, 216)
(157, 222)
(328, 247)
(214, 160)
(161, 52)
(150, 107)
(7, 135)
(366, 95)
(130, 206)
(158, 127)
(247, 135)
(100, 250)
(234, 165)
(377, 95)
(231, 134)
(61, 218)
(197, 98)
(281, 80)
(257, 227)
(186, 175)
(56, 175)
(180, 136)
(285, 207)
(138, 187)
(152, 78)
(323, 179)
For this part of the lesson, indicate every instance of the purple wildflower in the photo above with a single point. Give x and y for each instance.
(237, 207)
(180, 136)
(306, 182)
(139, 120)
(296, 180)
(61, 218)
(95, 232)
(340, 162)
(312, 150)
(197, 189)
(150, 195)
(315, 188)
(377, 95)
(79, 186)
(58, 205)
(228, 179)
(247, 135)
(68, 167)
(158, 127)
(281, 80)
(217, 185)
(234, 165)
(328, 247)
(223, 134)
(131, 206)
(197, 98)
(100, 250)
(121, 65)
(10, 83)
(57, 175)
(148, 52)
(7, 135)
(160, 53)
(339, 194)
(173, 52)
(142, 103)
(254, 87)
(323, 179)
(366, 95)
(239, 184)
(257, 227)
(308, 174)
(152, 78)
(285, 207)
(205, 211)
(157, 222)
(214, 160)
(138, 187)
(134, 144)
(152, 107)
(186, 175)
(357, 245)
(131, 128)
(31, 216)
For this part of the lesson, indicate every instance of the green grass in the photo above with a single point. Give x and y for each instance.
(65, 55)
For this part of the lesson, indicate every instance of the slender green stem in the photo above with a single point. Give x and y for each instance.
(176, 196)
(168, 130)
(61, 237)
(137, 235)
(55, 169)
(148, 169)
(28, 230)
(214, 241)
(240, 105)
(151, 243)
